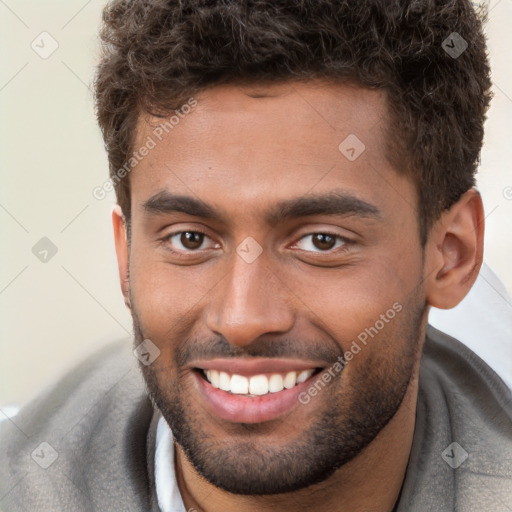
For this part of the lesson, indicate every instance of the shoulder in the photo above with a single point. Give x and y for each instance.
(461, 457)
(81, 439)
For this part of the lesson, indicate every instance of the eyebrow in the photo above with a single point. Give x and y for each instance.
(165, 202)
(332, 203)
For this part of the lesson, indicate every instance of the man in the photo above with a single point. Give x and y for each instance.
(295, 186)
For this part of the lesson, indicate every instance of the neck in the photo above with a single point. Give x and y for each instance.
(371, 481)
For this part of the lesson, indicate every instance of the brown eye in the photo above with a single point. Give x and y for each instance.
(191, 239)
(319, 242)
(323, 241)
(191, 243)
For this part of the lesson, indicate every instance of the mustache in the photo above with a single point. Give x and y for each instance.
(265, 347)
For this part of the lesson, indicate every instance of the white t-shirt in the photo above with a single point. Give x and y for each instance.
(167, 490)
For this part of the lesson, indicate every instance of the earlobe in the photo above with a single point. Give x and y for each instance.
(122, 251)
(454, 252)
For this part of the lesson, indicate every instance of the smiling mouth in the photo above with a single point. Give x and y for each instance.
(256, 385)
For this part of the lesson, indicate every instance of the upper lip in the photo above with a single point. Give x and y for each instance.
(256, 366)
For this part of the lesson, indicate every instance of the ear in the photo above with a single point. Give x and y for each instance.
(454, 251)
(122, 251)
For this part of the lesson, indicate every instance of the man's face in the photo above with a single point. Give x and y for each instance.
(283, 249)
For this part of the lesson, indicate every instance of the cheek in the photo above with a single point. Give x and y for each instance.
(164, 294)
(347, 300)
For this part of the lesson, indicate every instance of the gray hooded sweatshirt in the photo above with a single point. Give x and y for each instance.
(87, 443)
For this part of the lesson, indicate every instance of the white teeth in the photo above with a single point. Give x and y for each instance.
(256, 385)
(290, 380)
(224, 381)
(304, 375)
(275, 383)
(214, 378)
(239, 384)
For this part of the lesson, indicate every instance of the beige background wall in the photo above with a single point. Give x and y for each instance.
(54, 313)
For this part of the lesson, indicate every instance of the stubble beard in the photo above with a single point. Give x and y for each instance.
(244, 463)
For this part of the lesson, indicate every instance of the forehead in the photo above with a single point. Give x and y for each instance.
(248, 144)
(315, 108)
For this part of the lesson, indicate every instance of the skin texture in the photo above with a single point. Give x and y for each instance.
(241, 151)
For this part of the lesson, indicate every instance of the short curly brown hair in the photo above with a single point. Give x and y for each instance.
(157, 53)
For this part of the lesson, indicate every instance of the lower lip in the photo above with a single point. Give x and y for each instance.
(248, 409)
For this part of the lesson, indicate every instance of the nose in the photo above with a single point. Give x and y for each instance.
(250, 301)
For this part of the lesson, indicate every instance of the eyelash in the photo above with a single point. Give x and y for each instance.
(184, 253)
(167, 238)
(340, 238)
